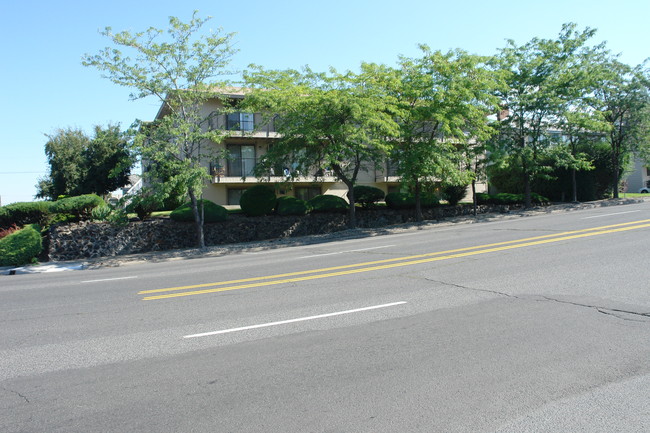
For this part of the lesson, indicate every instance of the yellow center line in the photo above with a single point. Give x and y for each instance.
(423, 258)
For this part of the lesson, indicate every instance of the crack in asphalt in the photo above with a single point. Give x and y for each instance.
(613, 312)
(17, 393)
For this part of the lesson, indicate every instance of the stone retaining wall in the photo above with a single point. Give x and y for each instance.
(89, 239)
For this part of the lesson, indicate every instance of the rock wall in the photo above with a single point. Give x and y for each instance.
(90, 239)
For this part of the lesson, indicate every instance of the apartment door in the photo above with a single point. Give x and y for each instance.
(242, 160)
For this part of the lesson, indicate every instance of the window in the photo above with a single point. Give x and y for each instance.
(234, 195)
(239, 121)
(307, 192)
(242, 160)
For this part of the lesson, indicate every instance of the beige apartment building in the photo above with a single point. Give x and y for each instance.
(248, 137)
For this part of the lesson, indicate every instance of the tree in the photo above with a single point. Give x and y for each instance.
(623, 101)
(179, 67)
(83, 165)
(443, 101)
(325, 121)
(539, 81)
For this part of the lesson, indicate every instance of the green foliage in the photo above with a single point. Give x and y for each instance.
(402, 200)
(145, 202)
(368, 196)
(288, 205)
(83, 165)
(504, 198)
(80, 206)
(179, 66)
(21, 247)
(212, 212)
(20, 214)
(326, 121)
(257, 200)
(328, 203)
(101, 212)
(454, 193)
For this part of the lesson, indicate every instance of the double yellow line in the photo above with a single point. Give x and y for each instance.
(292, 277)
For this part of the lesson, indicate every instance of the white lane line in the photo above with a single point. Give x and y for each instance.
(610, 214)
(301, 319)
(109, 279)
(348, 251)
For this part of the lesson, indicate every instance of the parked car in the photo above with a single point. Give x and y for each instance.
(645, 190)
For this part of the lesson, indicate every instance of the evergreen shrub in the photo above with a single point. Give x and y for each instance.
(21, 247)
(367, 196)
(291, 206)
(454, 193)
(257, 200)
(328, 203)
(23, 213)
(212, 212)
(79, 206)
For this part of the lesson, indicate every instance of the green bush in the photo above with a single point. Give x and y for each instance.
(257, 200)
(212, 212)
(367, 196)
(504, 198)
(328, 203)
(291, 206)
(454, 193)
(21, 247)
(80, 206)
(101, 213)
(482, 198)
(402, 200)
(23, 213)
(144, 203)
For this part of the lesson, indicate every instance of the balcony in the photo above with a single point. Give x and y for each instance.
(242, 170)
(387, 173)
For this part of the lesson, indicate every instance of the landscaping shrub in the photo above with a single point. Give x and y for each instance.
(454, 193)
(212, 212)
(21, 247)
(482, 198)
(79, 206)
(144, 203)
(504, 198)
(23, 213)
(291, 206)
(328, 203)
(367, 196)
(257, 200)
(101, 213)
(402, 200)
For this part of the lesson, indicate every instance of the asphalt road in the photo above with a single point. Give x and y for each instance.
(527, 324)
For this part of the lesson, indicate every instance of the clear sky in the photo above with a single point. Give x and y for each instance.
(45, 87)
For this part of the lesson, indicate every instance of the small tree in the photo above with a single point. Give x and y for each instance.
(181, 73)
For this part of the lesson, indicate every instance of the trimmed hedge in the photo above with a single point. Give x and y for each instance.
(328, 203)
(367, 196)
(21, 247)
(257, 201)
(80, 206)
(454, 193)
(291, 206)
(504, 198)
(402, 200)
(212, 212)
(23, 213)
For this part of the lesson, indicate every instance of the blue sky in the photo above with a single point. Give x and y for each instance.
(45, 87)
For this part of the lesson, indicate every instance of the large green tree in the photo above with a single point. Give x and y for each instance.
(443, 101)
(622, 99)
(540, 77)
(80, 164)
(336, 121)
(182, 68)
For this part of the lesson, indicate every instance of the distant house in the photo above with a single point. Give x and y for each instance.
(639, 179)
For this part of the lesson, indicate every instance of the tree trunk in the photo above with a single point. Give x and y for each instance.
(474, 197)
(352, 214)
(198, 219)
(527, 198)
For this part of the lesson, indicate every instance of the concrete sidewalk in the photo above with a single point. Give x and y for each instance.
(43, 267)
